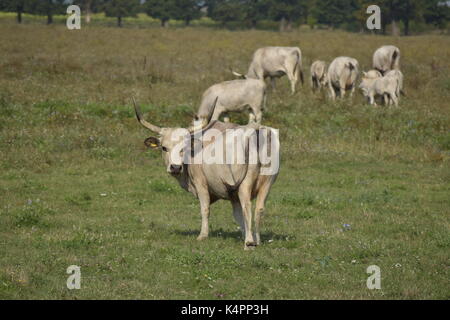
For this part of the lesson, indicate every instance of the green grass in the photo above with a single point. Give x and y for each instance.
(77, 186)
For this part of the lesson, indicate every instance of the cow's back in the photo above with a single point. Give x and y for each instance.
(272, 61)
(343, 70)
(386, 58)
(236, 93)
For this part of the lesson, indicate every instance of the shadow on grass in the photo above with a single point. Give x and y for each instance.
(236, 235)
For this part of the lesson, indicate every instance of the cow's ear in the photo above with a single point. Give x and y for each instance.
(152, 142)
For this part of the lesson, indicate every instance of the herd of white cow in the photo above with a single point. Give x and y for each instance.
(241, 182)
(249, 92)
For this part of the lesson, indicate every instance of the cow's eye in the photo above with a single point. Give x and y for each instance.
(164, 149)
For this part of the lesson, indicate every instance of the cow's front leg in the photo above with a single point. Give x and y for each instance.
(204, 208)
(258, 116)
(238, 216)
(372, 99)
(273, 84)
(387, 99)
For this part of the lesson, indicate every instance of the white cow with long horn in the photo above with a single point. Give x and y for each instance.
(247, 174)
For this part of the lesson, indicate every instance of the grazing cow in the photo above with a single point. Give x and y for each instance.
(398, 76)
(386, 58)
(319, 76)
(386, 87)
(238, 182)
(275, 62)
(342, 74)
(232, 96)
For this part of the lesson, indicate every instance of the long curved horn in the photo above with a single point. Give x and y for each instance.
(237, 74)
(211, 112)
(204, 123)
(142, 121)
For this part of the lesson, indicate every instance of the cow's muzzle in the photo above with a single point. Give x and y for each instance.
(175, 169)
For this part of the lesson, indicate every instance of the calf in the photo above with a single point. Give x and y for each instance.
(319, 76)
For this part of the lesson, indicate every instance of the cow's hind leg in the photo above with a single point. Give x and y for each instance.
(238, 215)
(260, 208)
(293, 80)
(353, 91)
(342, 92)
(332, 91)
(394, 99)
(246, 204)
(387, 99)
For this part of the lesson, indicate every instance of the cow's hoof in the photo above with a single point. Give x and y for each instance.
(250, 245)
(201, 238)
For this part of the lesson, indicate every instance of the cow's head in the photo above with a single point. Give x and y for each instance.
(170, 141)
(367, 80)
(324, 79)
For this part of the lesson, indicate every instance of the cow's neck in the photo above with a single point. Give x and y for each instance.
(184, 181)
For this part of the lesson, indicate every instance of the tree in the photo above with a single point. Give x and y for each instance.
(226, 11)
(255, 10)
(393, 11)
(286, 11)
(437, 13)
(163, 10)
(186, 10)
(335, 12)
(46, 7)
(121, 9)
(406, 10)
(17, 6)
(88, 7)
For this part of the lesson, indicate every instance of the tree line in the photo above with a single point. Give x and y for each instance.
(350, 14)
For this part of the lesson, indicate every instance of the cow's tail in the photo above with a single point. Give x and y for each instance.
(394, 62)
(351, 66)
(397, 90)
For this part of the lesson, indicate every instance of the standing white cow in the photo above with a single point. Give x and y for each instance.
(238, 182)
(387, 87)
(398, 76)
(319, 76)
(386, 58)
(342, 75)
(275, 62)
(232, 96)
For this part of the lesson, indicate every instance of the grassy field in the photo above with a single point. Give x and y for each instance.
(77, 186)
